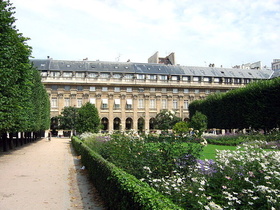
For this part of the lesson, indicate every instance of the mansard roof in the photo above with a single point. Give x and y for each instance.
(148, 68)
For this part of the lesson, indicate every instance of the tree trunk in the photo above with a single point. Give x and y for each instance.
(11, 141)
(4, 139)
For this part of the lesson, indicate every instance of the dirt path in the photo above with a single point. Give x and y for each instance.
(45, 175)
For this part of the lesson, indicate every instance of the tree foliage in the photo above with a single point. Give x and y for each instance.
(68, 118)
(24, 103)
(181, 127)
(88, 119)
(166, 119)
(199, 122)
(255, 106)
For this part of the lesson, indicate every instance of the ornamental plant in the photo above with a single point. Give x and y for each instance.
(247, 178)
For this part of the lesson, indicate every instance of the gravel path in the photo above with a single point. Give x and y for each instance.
(45, 175)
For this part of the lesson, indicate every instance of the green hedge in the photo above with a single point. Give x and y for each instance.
(119, 189)
(255, 106)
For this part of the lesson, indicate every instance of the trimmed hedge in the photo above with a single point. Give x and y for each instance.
(119, 189)
(255, 106)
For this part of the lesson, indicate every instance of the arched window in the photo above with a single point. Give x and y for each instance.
(152, 123)
(105, 122)
(141, 124)
(128, 123)
(117, 123)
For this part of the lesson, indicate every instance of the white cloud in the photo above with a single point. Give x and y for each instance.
(224, 32)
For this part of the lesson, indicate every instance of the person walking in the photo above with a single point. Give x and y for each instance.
(49, 135)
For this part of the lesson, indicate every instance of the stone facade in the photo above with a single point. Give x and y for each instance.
(129, 95)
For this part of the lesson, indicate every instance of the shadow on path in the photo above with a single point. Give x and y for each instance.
(82, 191)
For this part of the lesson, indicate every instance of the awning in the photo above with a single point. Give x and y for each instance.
(105, 101)
(129, 101)
(92, 100)
(117, 101)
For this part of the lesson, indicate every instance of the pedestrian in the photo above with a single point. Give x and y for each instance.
(49, 135)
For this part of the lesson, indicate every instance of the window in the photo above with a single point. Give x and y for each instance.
(141, 103)
(92, 88)
(164, 103)
(207, 91)
(227, 80)
(54, 87)
(196, 91)
(152, 103)
(186, 104)
(67, 87)
(117, 104)
(206, 79)
(80, 88)
(217, 80)
(104, 89)
(55, 73)
(163, 77)
(186, 90)
(164, 90)
(104, 75)
(174, 78)
(128, 76)
(175, 90)
(92, 101)
(129, 103)
(79, 102)
(54, 103)
(152, 89)
(185, 78)
(175, 104)
(196, 79)
(44, 73)
(105, 103)
(152, 77)
(117, 89)
(92, 75)
(140, 76)
(80, 74)
(67, 102)
(237, 81)
(129, 89)
(117, 76)
(141, 90)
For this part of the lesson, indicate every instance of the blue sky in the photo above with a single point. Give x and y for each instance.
(224, 32)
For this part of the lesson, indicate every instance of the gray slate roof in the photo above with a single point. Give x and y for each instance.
(148, 68)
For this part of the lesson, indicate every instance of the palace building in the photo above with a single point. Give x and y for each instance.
(129, 95)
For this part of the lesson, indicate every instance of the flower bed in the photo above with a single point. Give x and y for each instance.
(246, 178)
(118, 189)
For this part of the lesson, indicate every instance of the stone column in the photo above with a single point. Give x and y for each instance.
(147, 113)
(134, 108)
(110, 113)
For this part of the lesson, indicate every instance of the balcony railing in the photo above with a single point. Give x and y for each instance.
(138, 81)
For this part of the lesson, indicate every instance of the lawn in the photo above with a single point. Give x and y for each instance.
(209, 151)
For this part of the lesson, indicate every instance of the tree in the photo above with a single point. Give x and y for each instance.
(199, 122)
(23, 99)
(88, 119)
(166, 120)
(68, 118)
(181, 127)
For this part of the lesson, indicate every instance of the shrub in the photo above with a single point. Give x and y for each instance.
(119, 189)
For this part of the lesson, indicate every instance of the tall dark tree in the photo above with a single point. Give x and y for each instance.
(88, 119)
(68, 118)
(23, 99)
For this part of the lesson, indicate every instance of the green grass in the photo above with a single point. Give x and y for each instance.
(209, 151)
